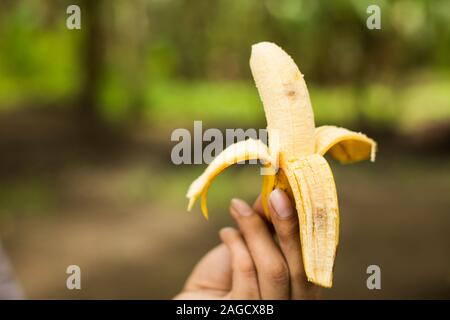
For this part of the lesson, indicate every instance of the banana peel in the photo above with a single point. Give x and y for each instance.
(294, 160)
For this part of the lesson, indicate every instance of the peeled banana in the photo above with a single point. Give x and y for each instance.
(295, 157)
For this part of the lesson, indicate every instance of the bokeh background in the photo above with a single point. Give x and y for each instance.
(86, 118)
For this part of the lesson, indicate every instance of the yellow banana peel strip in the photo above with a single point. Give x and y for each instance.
(298, 148)
(316, 202)
(241, 151)
(344, 145)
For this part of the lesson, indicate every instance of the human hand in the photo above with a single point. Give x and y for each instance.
(258, 261)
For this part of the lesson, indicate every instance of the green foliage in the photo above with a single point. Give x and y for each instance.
(237, 104)
(37, 63)
(173, 61)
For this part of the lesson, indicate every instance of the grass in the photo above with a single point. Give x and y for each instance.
(26, 196)
(238, 103)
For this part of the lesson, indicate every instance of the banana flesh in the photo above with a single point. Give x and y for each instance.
(296, 148)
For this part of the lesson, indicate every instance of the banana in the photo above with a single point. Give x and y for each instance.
(294, 158)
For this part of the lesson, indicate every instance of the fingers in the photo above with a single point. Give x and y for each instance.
(272, 271)
(285, 221)
(258, 206)
(214, 269)
(244, 281)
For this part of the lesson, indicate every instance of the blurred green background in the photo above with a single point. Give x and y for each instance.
(86, 118)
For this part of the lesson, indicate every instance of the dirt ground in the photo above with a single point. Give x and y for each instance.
(119, 213)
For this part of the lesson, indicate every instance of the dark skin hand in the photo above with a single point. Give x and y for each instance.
(255, 261)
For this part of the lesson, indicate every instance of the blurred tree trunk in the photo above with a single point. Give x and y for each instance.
(114, 42)
(93, 57)
(129, 48)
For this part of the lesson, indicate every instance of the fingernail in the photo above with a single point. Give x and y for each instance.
(241, 207)
(281, 204)
(223, 232)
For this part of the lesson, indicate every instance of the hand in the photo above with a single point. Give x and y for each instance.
(250, 264)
